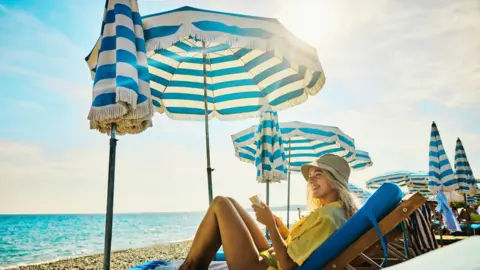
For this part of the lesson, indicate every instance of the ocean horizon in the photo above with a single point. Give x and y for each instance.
(27, 239)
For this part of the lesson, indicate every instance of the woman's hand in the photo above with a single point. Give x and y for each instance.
(264, 215)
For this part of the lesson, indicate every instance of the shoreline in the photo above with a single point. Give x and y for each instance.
(120, 260)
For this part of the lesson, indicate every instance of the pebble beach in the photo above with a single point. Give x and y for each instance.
(120, 260)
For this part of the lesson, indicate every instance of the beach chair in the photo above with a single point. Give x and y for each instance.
(380, 215)
(413, 237)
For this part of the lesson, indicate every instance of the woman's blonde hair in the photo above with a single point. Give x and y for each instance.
(349, 201)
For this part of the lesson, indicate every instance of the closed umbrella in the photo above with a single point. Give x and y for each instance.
(269, 152)
(441, 178)
(466, 181)
(121, 92)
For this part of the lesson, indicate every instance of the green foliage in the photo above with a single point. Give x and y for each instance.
(457, 204)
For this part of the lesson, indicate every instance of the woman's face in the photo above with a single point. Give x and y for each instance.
(319, 183)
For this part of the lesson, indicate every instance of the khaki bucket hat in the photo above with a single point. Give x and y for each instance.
(334, 164)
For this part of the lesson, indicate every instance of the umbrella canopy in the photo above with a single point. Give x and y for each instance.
(360, 193)
(441, 176)
(399, 177)
(472, 200)
(466, 182)
(269, 155)
(304, 143)
(119, 69)
(414, 181)
(418, 182)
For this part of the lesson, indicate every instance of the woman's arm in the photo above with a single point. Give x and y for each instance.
(265, 216)
(280, 247)
(284, 231)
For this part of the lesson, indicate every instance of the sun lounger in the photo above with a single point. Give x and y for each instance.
(381, 213)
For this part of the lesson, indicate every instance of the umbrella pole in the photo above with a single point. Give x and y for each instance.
(207, 134)
(288, 192)
(111, 186)
(268, 204)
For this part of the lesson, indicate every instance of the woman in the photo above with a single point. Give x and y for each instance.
(227, 223)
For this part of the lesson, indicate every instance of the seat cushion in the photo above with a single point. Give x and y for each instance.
(380, 203)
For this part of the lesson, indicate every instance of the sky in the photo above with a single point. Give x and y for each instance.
(392, 67)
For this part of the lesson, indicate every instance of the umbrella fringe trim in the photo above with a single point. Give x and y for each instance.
(127, 121)
(271, 44)
(128, 96)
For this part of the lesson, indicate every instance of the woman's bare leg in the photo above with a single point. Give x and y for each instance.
(223, 225)
(258, 237)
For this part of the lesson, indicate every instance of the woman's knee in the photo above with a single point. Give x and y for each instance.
(219, 200)
(232, 200)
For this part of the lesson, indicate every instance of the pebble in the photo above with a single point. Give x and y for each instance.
(120, 260)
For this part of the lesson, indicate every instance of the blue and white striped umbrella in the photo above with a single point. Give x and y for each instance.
(121, 91)
(414, 181)
(471, 200)
(269, 152)
(441, 176)
(248, 64)
(400, 178)
(466, 181)
(119, 69)
(418, 182)
(360, 193)
(304, 143)
(362, 160)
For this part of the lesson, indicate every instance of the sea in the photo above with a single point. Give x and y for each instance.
(33, 239)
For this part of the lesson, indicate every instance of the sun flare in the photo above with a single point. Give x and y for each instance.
(307, 19)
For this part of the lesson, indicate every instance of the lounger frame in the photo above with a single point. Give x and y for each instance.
(409, 204)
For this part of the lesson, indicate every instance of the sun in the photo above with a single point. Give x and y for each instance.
(307, 19)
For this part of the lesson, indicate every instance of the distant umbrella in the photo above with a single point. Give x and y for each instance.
(303, 143)
(441, 178)
(466, 181)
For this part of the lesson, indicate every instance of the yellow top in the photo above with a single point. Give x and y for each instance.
(311, 231)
